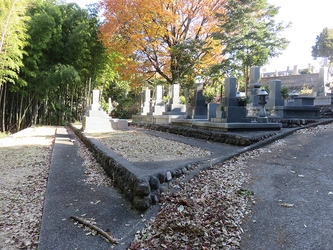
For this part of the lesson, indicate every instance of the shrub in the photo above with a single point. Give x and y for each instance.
(126, 108)
(284, 92)
(306, 91)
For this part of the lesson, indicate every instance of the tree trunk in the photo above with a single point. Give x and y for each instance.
(4, 108)
(35, 112)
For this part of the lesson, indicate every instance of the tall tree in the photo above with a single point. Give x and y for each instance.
(62, 53)
(170, 39)
(12, 38)
(324, 45)
(250, 35)
(12, 41)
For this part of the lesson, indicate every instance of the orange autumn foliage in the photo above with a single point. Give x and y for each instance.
(146, 33)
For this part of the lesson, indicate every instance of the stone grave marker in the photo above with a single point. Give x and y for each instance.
(96, 119)
(174, 106)
(229, 111)
(274, 98)
(146, 104)
(199, 110)
(159, 106)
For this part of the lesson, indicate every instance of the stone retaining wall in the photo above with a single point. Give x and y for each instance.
(144, 191)
(224, 137)
(141, 191)
(326, 111)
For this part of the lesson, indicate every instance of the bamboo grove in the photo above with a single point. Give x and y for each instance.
(52, 53)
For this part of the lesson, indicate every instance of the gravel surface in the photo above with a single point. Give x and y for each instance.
(206, 213)
(136, 146)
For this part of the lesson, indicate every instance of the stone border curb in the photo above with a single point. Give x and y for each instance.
(144, 191)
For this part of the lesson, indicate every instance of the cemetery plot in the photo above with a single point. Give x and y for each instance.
(136, 146)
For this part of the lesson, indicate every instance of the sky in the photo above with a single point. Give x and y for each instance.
(308, 19)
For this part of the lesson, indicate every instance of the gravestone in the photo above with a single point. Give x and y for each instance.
(324, 81)
(229, 111)
(199, 110)
(110, 108)
(275, 98)
(254, 87)
(146, 104)
(159, 106)
(96, 119)
(174, 106)
(211, 110)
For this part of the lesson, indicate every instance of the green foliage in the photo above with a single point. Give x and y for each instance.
(104, 104)
(250, 34)
(182, 99)
(12, 38)
(324, 45)
(4, 134)
(306, 71)
(186, 57)
(209, 93)
(306, 90)
(126, 108)
(245, 192)
(166, 99)
(60, 114)
(284, 92)
(243, 101)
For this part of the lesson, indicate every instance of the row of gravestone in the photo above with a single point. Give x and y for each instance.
(229, 110)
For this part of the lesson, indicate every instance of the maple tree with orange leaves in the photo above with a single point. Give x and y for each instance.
(168, 39)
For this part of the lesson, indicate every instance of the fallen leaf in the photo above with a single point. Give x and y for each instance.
(287, 205)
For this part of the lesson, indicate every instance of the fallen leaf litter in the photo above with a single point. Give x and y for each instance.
(209, 207)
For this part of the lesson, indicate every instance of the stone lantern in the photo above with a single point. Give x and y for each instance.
(262, 101)
(293, 94)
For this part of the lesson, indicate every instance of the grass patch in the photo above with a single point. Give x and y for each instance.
(245, 192)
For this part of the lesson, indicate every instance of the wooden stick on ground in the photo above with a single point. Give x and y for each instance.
(99, 230)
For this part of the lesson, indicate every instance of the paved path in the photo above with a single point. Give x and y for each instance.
(68, 195)
(297, 172)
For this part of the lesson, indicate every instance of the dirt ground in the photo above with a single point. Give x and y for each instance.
(24, 165)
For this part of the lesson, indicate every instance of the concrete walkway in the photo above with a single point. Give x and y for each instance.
(293, 186)
(68, 195)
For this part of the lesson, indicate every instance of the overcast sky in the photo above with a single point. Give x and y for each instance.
(308, 19)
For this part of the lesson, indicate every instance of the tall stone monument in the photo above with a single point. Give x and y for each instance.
(229, 110)
(95, 119)
(254, 86)
(199, 110)
(159, 106)
(146, 104)
(275, 97)
(174, 106)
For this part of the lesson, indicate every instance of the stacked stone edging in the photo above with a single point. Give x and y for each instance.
(326, 111)
(224, 137)
(295, 123)
(141, 191)
(208, 135)
(144, 191)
